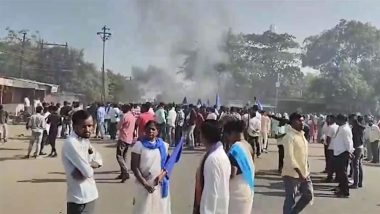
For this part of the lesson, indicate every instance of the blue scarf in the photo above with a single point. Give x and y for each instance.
(241, 158)
(161, 147)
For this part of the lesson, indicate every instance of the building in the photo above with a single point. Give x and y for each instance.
(14, 90)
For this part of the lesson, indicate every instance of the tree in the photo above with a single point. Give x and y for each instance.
(257, 60)
(348, 59)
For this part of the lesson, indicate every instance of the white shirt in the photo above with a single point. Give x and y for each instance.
(114, 114)
(372, 133)
(75, 155)
(172, 115)
(237, 115)
(254, 127)
(331, 132)
(26, 101)
(265, 124)
(216, 193)
(47, 126)
(212, 116)
(342, 142)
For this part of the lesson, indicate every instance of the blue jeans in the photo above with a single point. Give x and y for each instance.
(292, 186)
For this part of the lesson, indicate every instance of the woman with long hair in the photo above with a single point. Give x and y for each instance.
(242, 168)
(148, 158)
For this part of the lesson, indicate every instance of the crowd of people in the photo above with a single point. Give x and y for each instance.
(232, 137)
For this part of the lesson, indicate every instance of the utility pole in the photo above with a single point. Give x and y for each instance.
(23, 32)
(46, 44)
(104, 35)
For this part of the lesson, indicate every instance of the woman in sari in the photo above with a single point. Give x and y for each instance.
(213, 175)
(242, 169)
(148, 158)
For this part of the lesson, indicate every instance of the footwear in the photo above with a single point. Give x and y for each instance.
(42, 153)
(328, 180)
(126, 177)
(341, 195)
(54, 155)
(26, 157)
(118, 177)
(353, 187)
(324, 171)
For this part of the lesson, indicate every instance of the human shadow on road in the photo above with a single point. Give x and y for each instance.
(9, 149)
(269, 193)
(43, 180)
(16, 157)
(276, 185)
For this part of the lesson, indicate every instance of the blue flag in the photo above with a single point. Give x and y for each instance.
(174, 158)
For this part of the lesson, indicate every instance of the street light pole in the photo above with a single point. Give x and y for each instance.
(104, 35)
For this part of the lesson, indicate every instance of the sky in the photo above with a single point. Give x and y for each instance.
(77, 21)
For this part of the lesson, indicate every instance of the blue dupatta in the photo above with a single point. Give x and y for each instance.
(159, 144)
(242, 160)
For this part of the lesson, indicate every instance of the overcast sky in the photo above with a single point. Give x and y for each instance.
(77, 21)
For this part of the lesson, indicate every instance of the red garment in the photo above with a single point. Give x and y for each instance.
(200, 119)
(142, 120)
(127, 127)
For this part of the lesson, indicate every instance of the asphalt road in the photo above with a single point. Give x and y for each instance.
(38, 186)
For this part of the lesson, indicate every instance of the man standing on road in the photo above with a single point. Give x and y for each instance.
(372, 134)
(3, 124)
(330, 133)
(161, 120)
(171, 119)
(37, 124)
(79, 159)
(254, 126)
(358, 139)
(343, 149)
(265, 130)
(100, 118)
(126, 128)
(295, 173)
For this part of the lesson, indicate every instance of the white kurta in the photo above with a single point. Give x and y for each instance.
(241, 195)
(215, 194)
(150, 166)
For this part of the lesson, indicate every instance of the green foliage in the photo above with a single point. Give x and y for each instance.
(258, 59)
(59, 65)
(348, 58)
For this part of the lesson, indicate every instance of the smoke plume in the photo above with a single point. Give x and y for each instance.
(184, 39)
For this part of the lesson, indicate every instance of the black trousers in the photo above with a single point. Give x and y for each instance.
(178, 133)
(255, 144)
(326, 155)
(52, 138)
(330, 168)
(280, 157)
(73, 208)
(113, 130)
(341, 163)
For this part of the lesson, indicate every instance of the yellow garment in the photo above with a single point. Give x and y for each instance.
(295, 153)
